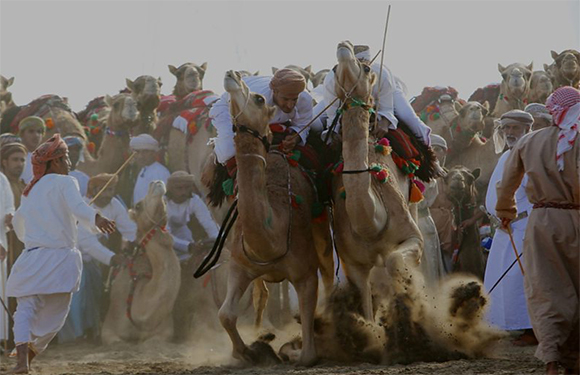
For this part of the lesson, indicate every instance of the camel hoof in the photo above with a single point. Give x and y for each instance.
(19, 370)
(307, 360)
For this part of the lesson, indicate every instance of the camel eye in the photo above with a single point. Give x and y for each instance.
(366, 68)
(138, 206)
(259, 99)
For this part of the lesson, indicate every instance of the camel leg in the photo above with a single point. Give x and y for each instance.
(260, 297)
(307, 291)
(359, 275)
(238, 282)
(323, 245)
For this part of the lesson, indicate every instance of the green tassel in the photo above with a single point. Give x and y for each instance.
(317, 209)
(228, 186)
(299, 199)
(296, 155)
(436, 116)
(94, 117)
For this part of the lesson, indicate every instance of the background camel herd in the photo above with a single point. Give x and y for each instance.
(374, 227)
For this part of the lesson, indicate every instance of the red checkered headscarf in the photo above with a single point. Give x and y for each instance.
(53, 148)
(564, 105)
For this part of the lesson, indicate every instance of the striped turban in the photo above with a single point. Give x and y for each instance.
(53, 148)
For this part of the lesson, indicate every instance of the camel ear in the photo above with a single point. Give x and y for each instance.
(159, 81)
(531, 66)
(501, 68)
(476, 173)
(485, 106)
(309, 69)
(130, 84)
(172, 69)
(546, 68)
(554, 54)
(109, 100)
(257, 73)
(203, 66)
(9, 82)
(274, 70)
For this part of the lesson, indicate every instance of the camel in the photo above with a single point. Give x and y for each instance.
(94, 120)
(459, 189)
(540, 87)
(373, 223)
(146, 90)
(514, 88)
(436, 106)
(566, 68)
(318, 77)
(122, 118)
(273, 238)
(6, 101)
(157, 273)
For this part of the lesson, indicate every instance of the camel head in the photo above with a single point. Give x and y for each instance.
(146, 90)
(318, 77)
(124, 113)
(151, 211)
(306, 72)
(352, 76)
(541, 85)
(471, 116)
(568, 64)
(189, 78)
(245, 73)
(5, 95)
(460, 183)
(247, 108)
(516, 79)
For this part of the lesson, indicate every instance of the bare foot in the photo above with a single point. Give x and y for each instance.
(552, 368)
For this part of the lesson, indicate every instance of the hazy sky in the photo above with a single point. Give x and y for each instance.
(83, 49)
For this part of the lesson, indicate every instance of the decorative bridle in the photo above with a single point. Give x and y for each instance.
(237, 128)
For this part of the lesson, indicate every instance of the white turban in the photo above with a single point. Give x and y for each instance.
(539, 110)
(144, 142)
(362, 52)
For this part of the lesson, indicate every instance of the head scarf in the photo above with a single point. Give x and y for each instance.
(564, 105)
(52, 149)
(516, 116)
(100, 180)
(538, 110)
(9, 138)
(144, 142)
(288, 81)
(180, 177)
(362, 52)
(31, 122)
(10, 148)
(437, 140)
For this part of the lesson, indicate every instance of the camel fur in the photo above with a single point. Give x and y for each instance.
(566, 70)
(514, 88)
(146, 90)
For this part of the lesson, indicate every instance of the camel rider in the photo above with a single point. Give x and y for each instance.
(541, 115)
(183, 206)
(391, 105)
(75, 148)
(286, 90)
(49, 270)
(84, 317)
(146, 148)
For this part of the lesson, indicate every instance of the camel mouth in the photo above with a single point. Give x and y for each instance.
(345, 51)
(156, 188)
(232, 81)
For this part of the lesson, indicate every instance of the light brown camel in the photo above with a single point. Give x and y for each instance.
(122, 118)
(540, 87)
(146, 90)
(189, 78)
(6, 101)
(318, 77)
(567, 68)
(272, 239)
(514, 88)
(157, 273)
(373, 223)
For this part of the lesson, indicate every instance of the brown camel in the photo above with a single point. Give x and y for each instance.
(436, 106)
(189, 78)
(94, 119)
(540, 87)
(318, 77)
(123, 116)
(514, 88)
(146, 90)
(6, 101)
(566, 68)
(155, 284)
(272, 239)
(373, 223)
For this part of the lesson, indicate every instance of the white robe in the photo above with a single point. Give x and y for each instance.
(83, 180)
(148, 174)
(6, 207)
(27, 173)
(46, 222)
(222, 120)
(89, 244)
(431, 260)
(178, 217)
(508, 308)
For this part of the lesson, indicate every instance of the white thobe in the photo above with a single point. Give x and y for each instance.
(6, 207)
(299, 117)
(89, 244)
(391, 104)
(431, 259)
(178, 218)
(148, 174)
(83, 180)
(508, 308)
(27, 174)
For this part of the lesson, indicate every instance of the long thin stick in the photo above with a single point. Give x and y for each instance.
(509, 230)
(382, 61)
(112, 177)
(505, 273)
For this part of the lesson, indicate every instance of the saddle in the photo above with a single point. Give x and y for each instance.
(39, 107)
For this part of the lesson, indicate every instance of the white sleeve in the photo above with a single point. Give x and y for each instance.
(303, 115)
(84, 213)
(201, 212)
(125, 225)
(385, 104)
(89, 244)
(180, 245)
(18, 224)
(405, 112)
(8, 197)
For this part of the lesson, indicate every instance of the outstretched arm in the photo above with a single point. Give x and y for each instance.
(85, 214)
(513, 174)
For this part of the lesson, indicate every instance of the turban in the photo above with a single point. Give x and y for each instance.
(180, 177)
(538, 110)
(10, 148)
(437, 140)
(52, 149)
(9, 138)
(362, 52)
(288, 81)
(516, 116)
(100, 180)
(30, 122)
(564, 105)
(144, 142)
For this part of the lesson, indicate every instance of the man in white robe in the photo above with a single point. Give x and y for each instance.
(75, 148)
(31, 131)
(49, 270)
(508, 309)
(6, 212)
(146, 148)
(286, 90)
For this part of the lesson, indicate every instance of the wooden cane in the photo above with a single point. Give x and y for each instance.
(382, 61)
(112, 177)
(509, 230)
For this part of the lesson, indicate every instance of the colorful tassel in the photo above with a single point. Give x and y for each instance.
(94, 117)
(228, 186)
(383, 146)
(91, 147)
(192, 128)
(416, 195)
(49, 123)
(342, 193)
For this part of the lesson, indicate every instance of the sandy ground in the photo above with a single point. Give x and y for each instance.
(211, 355)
